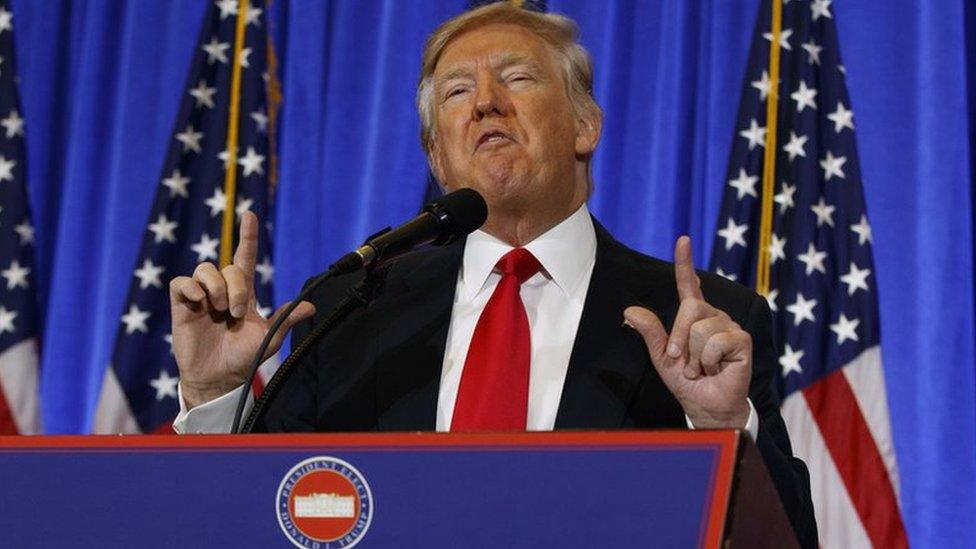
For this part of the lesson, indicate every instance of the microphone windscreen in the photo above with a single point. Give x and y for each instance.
(466, 211)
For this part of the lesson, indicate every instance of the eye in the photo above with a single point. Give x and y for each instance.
(519, 77)
(455, 91)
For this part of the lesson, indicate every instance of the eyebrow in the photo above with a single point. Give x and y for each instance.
(504, 61)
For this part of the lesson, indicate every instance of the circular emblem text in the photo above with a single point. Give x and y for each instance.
(324, 503)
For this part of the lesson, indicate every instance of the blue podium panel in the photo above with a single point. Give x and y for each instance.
(583, 489)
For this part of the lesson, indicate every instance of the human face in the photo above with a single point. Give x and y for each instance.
(505, 126)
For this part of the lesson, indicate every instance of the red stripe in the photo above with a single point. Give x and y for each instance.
(852, 448)
(258, 386)
(163, 429)
(7, 425)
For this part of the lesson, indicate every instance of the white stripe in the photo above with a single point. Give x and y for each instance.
(268, 368)
(866, 378)
(18, 377)
(837, 520)
(113, 415)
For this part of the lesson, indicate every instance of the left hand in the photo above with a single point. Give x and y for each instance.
(706, 362)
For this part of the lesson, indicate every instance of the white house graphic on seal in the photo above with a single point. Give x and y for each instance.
(329, 505)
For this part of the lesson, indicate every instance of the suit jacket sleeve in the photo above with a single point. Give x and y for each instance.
(295, 407)
(788, 472)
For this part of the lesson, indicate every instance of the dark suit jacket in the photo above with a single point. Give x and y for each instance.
(380, 369)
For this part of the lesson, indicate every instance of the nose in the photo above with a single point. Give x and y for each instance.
(489, 100)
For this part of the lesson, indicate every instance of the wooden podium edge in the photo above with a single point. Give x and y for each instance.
(756, 517)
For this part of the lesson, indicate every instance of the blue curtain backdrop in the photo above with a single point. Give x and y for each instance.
(101, 81)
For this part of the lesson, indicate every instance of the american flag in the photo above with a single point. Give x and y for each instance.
(195, 192)
(19, 319)
(821, 284)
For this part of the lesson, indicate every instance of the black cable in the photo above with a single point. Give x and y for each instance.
(259, 355)
(359, 296)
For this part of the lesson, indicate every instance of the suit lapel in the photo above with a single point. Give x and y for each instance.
(609, 360)
(413, 323)
(608, 364)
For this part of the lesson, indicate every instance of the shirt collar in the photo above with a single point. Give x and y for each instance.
(566, 252)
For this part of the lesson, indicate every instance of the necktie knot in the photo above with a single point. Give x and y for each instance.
(519, 263)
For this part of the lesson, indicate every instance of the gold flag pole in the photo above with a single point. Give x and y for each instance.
(230, 167)
(769, 158)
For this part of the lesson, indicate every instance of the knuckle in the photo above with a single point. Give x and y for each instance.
(709, 353)
(238, 295)
(722, 325)
(204, 268)
(177, 282)
(217, 283)
(689, 310)
(232, 270)
(702, 308)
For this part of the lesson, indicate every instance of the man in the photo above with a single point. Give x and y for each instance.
(540, 320)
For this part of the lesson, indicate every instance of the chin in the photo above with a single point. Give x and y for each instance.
(500, 173)
(500, 187)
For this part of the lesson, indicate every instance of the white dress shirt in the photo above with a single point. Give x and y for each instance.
(553, 300)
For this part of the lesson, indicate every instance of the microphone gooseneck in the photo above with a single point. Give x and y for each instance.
(440, 222)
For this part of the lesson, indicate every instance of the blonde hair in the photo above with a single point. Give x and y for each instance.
(558, 31)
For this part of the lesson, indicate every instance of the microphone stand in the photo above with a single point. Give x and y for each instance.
(358, 296)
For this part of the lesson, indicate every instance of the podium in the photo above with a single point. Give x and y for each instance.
(559, 489)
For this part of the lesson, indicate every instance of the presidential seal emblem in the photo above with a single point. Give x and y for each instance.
(324, 503)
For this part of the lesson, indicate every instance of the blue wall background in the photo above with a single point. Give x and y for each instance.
(102, 80)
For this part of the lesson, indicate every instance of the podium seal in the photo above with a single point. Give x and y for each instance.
(324, 503)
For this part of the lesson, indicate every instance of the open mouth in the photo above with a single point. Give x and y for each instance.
(492, 137)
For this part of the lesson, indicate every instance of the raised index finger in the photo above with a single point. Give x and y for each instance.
(684, 270)
(245, 257)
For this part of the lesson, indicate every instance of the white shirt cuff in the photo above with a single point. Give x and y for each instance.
(215, 416)
(752, 424)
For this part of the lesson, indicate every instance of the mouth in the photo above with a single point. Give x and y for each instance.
(493, 137)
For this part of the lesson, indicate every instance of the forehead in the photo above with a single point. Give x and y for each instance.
(492, 44)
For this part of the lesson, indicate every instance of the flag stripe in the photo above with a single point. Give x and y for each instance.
(113, 415)
(165, 428)
(18, 387)
(838, 524)
(849, 441)
(7, 425)
(866, 378)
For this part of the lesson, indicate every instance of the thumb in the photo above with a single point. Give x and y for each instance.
(302, 311)
(649, 326)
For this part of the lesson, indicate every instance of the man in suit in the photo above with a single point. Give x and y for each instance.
(539, 321)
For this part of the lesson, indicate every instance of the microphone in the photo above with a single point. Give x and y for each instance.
(440, 222)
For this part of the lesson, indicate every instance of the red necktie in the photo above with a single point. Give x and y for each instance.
(494, 390)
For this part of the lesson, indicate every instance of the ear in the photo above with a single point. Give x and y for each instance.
(588, 130)
(435, 162)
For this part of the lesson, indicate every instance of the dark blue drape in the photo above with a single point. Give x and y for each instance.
(102, 80)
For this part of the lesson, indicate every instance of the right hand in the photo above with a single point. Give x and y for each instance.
(216, 325)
